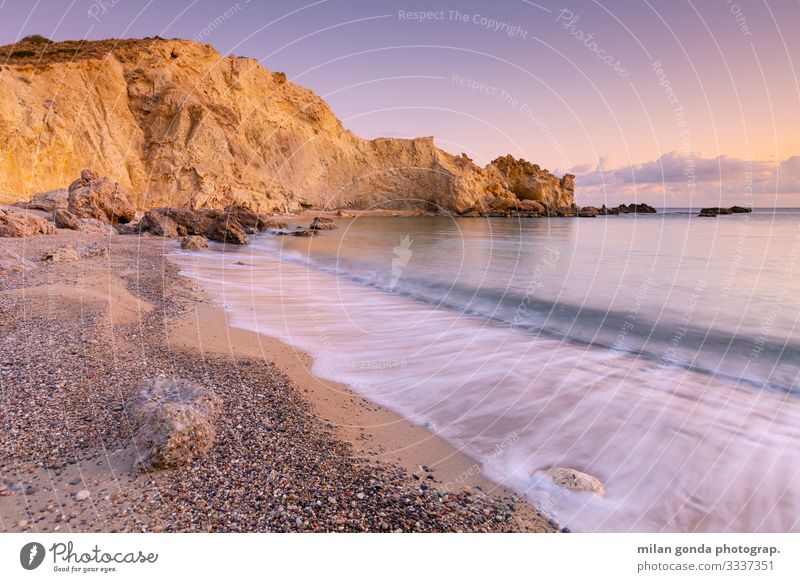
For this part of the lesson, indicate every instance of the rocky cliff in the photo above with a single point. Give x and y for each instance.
(177, 124)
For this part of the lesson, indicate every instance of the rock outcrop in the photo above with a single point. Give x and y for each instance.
(710, 212)
(174, 422)
(178, 125)
(99, 198)
(21, 224)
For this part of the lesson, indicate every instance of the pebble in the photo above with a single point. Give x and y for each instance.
(82, 495)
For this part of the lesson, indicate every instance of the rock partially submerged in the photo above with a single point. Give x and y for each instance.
(575, 480)
(716, 211)
(194, 242)
(21, 224)
(299, 231)
(227, 229)
(633, 208)
(322, 223)
(174, 422)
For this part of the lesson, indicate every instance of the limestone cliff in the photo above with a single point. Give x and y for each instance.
(177, 124)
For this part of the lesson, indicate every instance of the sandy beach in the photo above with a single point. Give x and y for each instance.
(292, 452)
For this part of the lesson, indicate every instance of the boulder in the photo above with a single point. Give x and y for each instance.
(21, 224)
(196, 222)
(266, 222)
(566, 211)
(297, 232)
(636, 209)
(716, 211)
(11, 262)
(322, 223)
(608, 211)
(61, 255)
(94, 226)
(227, 230)
(159, 224)
(174, 422)
(588, 212)
(90, 197)
(575, 480)
(63, 218)
(194, 242)
(48, 201)
(249, 220)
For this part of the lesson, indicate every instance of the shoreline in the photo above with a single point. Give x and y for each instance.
(134, 316)
(372, 429)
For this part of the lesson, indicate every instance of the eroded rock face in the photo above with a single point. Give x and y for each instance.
(575, 480)
(21, 224)
(174, 422)
(204, 131)
(99, 198)
(194, 243)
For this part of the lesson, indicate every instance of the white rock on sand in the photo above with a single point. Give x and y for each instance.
(575, 480)
(174, 420)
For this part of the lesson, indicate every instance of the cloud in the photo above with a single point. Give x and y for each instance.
(691, 179)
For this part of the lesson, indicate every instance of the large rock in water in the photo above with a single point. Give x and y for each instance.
(178, 124)
(90, 197)
(174, 422)
(227, 229)
(21, 224)
(575, 480)
(194, 243)
(322, 223)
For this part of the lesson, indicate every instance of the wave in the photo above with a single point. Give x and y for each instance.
(756, 361)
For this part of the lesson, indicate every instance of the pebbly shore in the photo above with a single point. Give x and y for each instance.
(77, 338)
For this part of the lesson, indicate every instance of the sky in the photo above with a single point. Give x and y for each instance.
(671, 102)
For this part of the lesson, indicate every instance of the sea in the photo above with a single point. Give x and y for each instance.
(659, 352)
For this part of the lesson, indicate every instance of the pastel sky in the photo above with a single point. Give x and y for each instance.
(673, 102)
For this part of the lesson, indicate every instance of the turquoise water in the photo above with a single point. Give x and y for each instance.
(658, 352)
